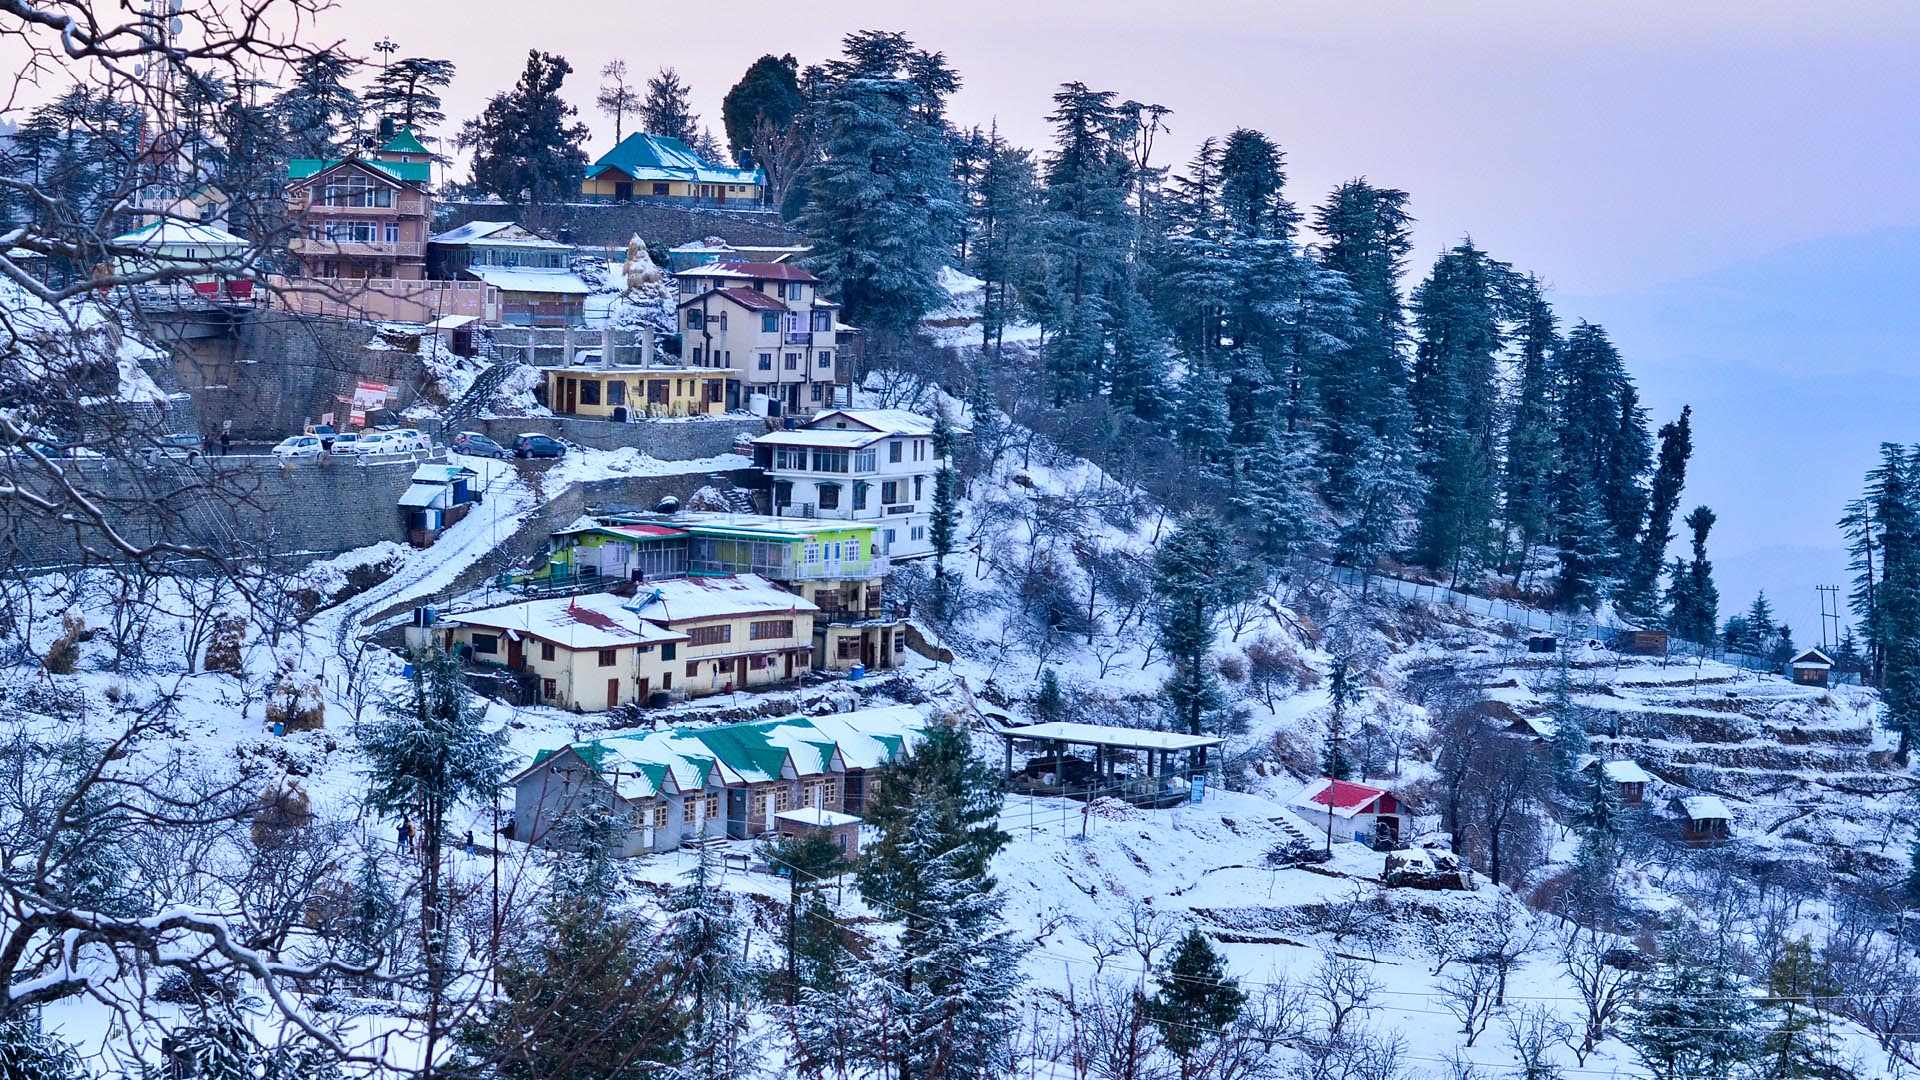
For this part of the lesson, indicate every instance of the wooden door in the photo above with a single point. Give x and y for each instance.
(516, 654)
(572, 394)
(740, 673)
(613, 692)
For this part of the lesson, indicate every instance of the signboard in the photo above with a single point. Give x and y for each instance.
(1199, 789)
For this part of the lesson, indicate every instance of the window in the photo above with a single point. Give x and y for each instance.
(616, 392)
(893, 450)
(688, 808)
(695, 319)
(659, 189)
(723, 320)
(810, 795)
(666, 679)
(393, 232)
(710, 635)
(795, 290)
(766, 361)
(693, 669)
(548, 689)
(848, 648)
(546, 650)
(760, 806)
(829, 496)
(771, 628)
(769, 322)
(660, 816)
(823, 320)
(789, 457)
(609, 657)
(669, 651)
(589, 391)
(486, 643)
(830, 461)
(919, 486)
(919, 532)
(816, 391)
(355, 189)
(783, 798)
(919, 449)
(793, 361)
(860, 496)
(830, 792)
(826, 358)
(893, 491)
(890, 539)
(865, 460)
(713, 806)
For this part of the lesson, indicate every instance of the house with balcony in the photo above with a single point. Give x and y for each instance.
(533, 274)
(654, 168)
(834, 565)
(621, 392)
(360, 231)
(769, 322)
(861, 465)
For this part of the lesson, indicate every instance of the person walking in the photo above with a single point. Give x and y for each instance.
(406, 836)
(469, 841)
(226, 443)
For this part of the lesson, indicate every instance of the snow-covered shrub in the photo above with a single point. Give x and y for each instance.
(64, 653)
(224, 646)
(296, 701)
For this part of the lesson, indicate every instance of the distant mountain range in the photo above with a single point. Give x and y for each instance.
(1798, 364)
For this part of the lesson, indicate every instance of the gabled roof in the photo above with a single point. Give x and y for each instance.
(751, 299)
(523, 280)
(505, 233)
(409, 172)
(1620, 772)
(441, 474)
(655, 157)
(591, 621)
(1812, 658)
(169, 233)
(1705, 808)
(406, 142)
(1344, 797)
(750, 271)
(885, 421)
(1541, 726)
(693, 599)
(816, 817)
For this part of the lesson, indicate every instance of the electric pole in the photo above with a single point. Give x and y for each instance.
(1829, 610)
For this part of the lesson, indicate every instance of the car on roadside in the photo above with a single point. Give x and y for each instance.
(532, 444)
(344, 442)
(390, 442)
(297, 447)
(175, 446)
(477, 445)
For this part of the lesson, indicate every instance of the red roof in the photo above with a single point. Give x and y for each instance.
(751, 298)
(1347, 795)
(650, 530)
(757, 270)
(589, 617)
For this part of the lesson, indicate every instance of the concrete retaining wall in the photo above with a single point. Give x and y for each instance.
(669, 440)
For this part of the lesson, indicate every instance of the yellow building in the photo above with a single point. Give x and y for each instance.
(587, 653)
(655, 168)
(620, 392)
(742, 631)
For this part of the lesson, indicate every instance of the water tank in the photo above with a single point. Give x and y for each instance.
(668, 505)
(859, 672)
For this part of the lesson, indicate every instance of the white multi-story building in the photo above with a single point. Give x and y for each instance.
(769, 323)
(872, 465)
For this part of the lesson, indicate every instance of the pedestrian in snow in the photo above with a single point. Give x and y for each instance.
(406, 836)
(226, 443)
(469, 841)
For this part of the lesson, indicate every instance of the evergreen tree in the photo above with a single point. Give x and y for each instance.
(1201, 421)
(1194, 998)
(938, 784)
(1532, 436)
(1800, 1044)
(944, 524)
(371, 923)
(1197, 572)
(1760, 628)
(27, 1052)
(705, 946)
(1601, 814)
(1344, 691)
(1637, 600)
(1585, 551)
(1896, 621)
(526, 145)
(429, 751)
(1693, 1017)
(1569, 747)
(1003, 252)
(319, 112)
(769, 93)
(667, 110)
(1863, 551)
(1384, 490)
(409, 91)
(881, 207)
(1454, 397)
(1089, 231)
(810, 938)
(617, 97)
(1048, 702)
(1275, 497)
(1604, 448)
(1693, 601)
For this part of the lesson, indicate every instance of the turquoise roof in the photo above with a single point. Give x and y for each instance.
(412, 172)
(656, 157)
(405, 143)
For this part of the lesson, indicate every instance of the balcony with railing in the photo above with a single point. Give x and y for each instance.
(338, 248)
(303, 202)
(385, 299)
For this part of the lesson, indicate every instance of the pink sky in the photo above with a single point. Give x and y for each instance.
(1609, 147)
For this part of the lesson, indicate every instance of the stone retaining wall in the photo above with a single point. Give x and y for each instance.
(669, 440)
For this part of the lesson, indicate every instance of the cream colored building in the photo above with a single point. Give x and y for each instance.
(742, 631)
(620, 392)
(588, 653)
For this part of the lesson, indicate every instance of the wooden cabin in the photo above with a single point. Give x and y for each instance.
(1704, 820)
(1811, 668)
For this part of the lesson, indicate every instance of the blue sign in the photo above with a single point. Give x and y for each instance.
(1199, 788)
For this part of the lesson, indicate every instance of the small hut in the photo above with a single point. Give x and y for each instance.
(1704, 819)
(1346, 810)
(1639, 642)
(843, 828)
(1542, 643)
(1629, 780)
(1811, 668)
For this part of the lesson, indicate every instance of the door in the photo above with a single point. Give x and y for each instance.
(789, 665)
(645, 689)
(613, 692)
(623, 191)
(516, 655)
(867, 654)
(740, 672)
(737, 813)
(571, 391)
(856, 797)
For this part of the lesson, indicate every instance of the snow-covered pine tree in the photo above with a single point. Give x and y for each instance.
(881, 209)
(1197, 571)
(939, 777)
(319, 112)
(1694, 1017)
(944, 524)
(1638, 599)
(1194, 999)
(28, 1053)
(1693, 605)
(704, 945)
(667, 110)
(1003, 253)
(1569, 746)
(1532, 438)
(1800, 1042)
(1201, 422)
(527, 146)
(810, 937)
(1275, 498)
(1586, 551)
(1089, 231)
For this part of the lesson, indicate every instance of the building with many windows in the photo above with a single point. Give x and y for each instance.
(868, 465)
(768, 322)
(363, 217)
(647, 168)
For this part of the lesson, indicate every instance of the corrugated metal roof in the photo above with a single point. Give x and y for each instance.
(643, 156)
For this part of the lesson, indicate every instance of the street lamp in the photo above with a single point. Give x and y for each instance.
(386, 48)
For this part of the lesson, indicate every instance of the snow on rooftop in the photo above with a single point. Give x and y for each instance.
(1705, 808)
(689, 599)
(564, 282)
(817, 817)
(1344, 797)
(591, 621)
(1625, 772)
(890, 421)
(1123, 738)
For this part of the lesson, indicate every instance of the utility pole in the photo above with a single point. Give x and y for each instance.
(386, 48)
(1825, 592)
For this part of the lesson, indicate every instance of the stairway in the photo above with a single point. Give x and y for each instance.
(476, 397)
(739, 500)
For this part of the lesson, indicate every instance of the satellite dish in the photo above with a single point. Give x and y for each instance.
(174, 25)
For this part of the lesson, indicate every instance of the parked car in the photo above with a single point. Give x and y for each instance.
(175, 446)
(326, 433)
(390, 442)
(299, 446)
(344, 442)
(532, 444)
(478, 445)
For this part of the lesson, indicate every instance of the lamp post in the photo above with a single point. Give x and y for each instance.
(386, 48)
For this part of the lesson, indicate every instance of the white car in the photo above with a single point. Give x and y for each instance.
(299, 446)
(389, 442)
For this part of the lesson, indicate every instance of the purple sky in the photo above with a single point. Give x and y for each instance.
(1607, 148)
